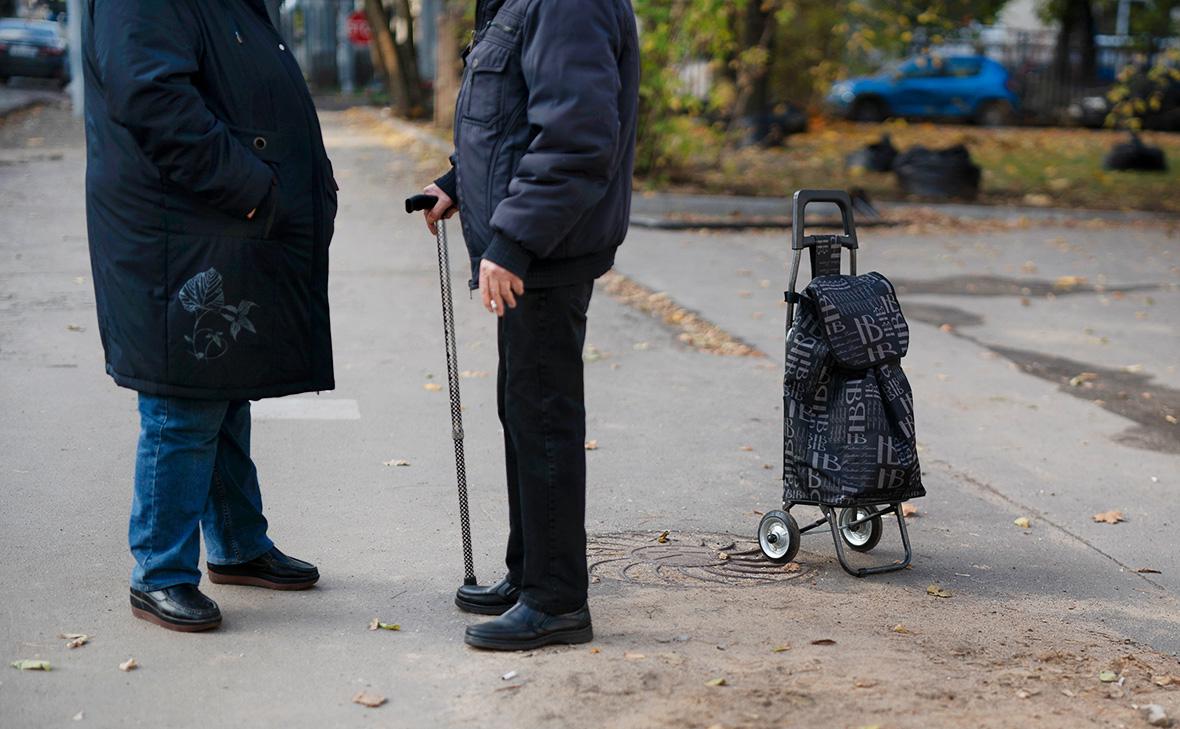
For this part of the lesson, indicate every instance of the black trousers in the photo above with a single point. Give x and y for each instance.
(541, 405)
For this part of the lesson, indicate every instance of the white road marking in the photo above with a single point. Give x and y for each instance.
(305, 408)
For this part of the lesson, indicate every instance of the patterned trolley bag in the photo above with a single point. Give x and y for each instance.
(849, 430)
(849, 444)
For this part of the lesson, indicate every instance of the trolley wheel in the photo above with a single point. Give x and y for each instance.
(779, 536)
(864, 536)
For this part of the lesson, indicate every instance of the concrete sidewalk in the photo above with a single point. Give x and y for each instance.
(688, 443)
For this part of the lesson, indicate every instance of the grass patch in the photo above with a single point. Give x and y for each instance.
(1026, 166)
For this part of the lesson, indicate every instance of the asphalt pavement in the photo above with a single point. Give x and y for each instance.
(1003, 318)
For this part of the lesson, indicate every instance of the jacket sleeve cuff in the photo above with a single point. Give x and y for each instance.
(508, 254)
(447, 184)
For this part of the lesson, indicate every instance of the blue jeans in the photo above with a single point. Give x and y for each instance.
(193, 473)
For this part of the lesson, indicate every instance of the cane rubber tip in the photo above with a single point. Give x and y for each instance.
(470, 581)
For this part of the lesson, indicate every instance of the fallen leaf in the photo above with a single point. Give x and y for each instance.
(792, 567)
(780, 648)
(431, 387)
(864, 683)
(908, 510)
(364, 698)
(716, 682)
(1023, 523)
(31, 665)
(746, 448)
(1108, 677)
(398, 463)
(948, 328)
(1109, 517)
(1148, 571)
(937, 591)
(75, 327)
(1068, 693)
(595, 651)
(376, 624)
(663, 538)
(899, 628)
(723, 556)
(1171, 419)
(591, 445)
(1026, 693)
(1068, 283)
(1165, 680)
(823, 641)
(1082, 379)
(76, 640)
(129, 665)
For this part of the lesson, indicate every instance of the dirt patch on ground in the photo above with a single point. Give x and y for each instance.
(822, 650)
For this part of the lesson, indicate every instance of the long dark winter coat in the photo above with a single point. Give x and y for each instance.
(196, 114)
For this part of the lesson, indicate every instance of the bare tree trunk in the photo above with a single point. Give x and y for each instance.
(447, 65)
(386, 47)
(1077, 32)
(408, 62)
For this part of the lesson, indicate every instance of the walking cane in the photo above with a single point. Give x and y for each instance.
(427, 202)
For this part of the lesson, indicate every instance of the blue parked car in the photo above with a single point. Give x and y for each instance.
(971, 88)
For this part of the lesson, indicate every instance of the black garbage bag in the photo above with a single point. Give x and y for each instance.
(849, 410)
(876, 157)
(938, 173)
(1137, 156)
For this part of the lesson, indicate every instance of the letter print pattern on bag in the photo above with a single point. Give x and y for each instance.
(849, 412)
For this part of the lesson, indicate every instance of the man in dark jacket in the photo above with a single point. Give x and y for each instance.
(544, 149)
(210, 206)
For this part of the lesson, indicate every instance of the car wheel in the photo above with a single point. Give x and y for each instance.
(869, 110)
(994, 114)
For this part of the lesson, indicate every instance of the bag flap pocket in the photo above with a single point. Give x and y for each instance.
(861, 319)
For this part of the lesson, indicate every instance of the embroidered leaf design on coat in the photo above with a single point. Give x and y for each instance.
(204, 295)
(203, 292)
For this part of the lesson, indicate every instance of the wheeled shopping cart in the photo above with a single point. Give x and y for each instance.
(848, 442)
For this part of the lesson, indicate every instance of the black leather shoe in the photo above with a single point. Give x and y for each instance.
(485, 600)
(523, 628)
(180, 607)
(273, 570)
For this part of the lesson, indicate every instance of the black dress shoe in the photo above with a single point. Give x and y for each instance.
(180, 607)
(523, 628)
(273, 570)
(485, 600)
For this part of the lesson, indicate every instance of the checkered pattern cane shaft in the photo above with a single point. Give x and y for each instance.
(448, 312)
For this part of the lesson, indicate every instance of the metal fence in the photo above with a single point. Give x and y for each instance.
(1030, 57)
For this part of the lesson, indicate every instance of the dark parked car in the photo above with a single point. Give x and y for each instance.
(35, 48)
(971, 88)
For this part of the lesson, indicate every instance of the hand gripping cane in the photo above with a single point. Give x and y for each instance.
(426, 202)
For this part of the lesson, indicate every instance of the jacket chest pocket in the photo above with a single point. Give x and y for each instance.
(487, 81)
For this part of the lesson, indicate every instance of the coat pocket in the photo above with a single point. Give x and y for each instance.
(486, 78)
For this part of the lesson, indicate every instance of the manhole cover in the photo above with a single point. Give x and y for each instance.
(685, 559)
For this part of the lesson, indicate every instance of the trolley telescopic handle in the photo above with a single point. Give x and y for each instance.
(427, 202)
(800, 241)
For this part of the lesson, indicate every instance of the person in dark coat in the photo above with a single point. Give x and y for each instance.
(544, 149)
(210, 207)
